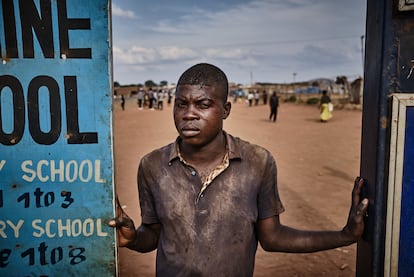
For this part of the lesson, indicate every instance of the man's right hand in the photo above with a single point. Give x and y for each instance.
(124, 226)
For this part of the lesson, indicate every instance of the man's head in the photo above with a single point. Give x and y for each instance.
(201, 104)
(204, 74)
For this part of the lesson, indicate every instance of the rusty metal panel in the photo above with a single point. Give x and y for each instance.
(386, 247)
(399, 241)
(406, 63)
(56, 161)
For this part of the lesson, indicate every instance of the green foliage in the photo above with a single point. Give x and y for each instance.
(312, 101)
(291, 99)
(150, 84)
(341, 80)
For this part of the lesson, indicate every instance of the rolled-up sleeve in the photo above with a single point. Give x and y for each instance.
(269, 203)
(146, 198)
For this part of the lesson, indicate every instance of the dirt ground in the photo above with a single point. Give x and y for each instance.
(317, 163)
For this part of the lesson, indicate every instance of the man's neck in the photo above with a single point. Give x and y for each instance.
(207, 155)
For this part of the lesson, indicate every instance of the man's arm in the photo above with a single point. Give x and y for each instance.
(143, 239)
(275, 237)
(146, 238)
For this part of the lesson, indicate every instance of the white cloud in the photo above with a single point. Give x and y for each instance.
(217, 53)
(117, 11)
(176, 53)
(165, 26)
(143, 55)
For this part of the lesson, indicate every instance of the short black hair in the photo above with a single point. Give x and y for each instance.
(205, 74)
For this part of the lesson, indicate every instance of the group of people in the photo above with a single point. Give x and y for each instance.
(208, 198)
(153, 99)
(254, 97)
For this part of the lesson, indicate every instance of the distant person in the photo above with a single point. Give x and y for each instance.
(274, 105)
(140, 98)
(209, 198)
(160, 100)
(151, 99)
(325, 107)
(169, 97)
(123, 102)
(250, 97)
(235, 96)
(256, 98)
(154, 99)
(264, 96)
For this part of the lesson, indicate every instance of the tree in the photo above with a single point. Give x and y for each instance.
(163, 83)
(343, 80)
(315, 84)
(116, 84)
(150, 84)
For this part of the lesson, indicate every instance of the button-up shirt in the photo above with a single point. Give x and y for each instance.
(208, 230)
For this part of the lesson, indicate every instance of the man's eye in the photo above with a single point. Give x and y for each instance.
(204, 106)
(181, 105)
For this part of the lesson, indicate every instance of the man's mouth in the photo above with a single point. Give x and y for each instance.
(190, 131)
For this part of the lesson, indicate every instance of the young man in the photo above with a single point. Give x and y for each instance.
(208, 198)
(274, 105)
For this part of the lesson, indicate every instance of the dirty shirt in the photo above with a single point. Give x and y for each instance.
(208, 228)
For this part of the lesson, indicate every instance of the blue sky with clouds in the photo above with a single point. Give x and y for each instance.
(252, 41)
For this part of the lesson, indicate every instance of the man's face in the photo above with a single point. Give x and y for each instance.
(199, 112)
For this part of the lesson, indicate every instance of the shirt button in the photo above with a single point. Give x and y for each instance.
(193, 173)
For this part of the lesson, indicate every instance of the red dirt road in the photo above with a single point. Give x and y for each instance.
(317, 164)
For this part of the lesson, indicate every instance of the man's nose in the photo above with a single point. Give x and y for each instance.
(191, 112)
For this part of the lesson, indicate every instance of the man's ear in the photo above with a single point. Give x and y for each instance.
(227, 108)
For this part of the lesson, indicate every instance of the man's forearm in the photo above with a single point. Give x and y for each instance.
(298, 241)
(146, 239)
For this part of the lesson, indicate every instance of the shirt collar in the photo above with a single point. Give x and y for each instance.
(232, 146)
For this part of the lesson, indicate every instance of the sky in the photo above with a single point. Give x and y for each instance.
(276, 41)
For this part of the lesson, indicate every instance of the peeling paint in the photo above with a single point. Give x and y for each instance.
(383, 122)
